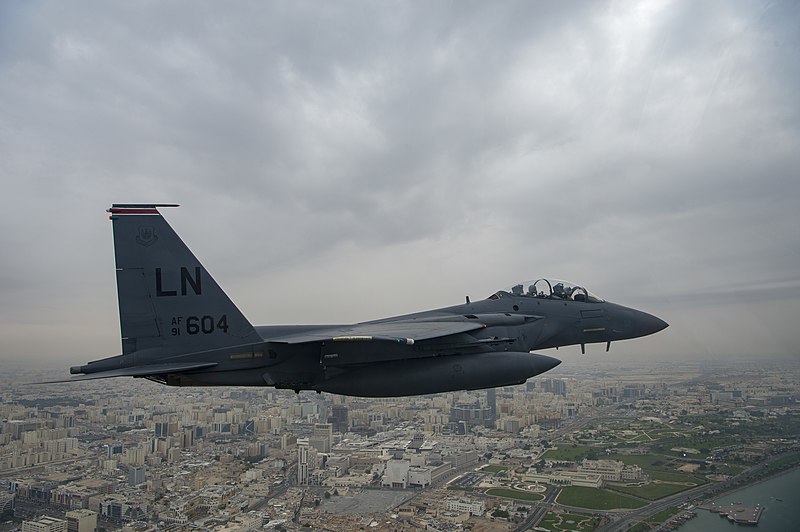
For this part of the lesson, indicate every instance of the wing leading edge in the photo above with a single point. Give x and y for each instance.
(139, 371)
(402, 332)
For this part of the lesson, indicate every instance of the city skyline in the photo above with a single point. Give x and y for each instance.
(644, 437)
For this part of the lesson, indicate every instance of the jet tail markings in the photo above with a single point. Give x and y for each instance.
(168, 301)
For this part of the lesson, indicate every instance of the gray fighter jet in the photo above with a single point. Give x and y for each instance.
(180, 329)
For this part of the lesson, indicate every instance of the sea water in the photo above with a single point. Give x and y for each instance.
(780, 496)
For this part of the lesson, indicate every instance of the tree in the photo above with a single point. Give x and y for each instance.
(500, 513)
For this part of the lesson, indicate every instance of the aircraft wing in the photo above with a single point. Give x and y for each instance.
(403, 332)
(138, 371)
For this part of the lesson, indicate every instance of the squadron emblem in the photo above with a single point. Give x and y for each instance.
(146, 237)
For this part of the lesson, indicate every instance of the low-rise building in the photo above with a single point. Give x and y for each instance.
(45, 524)
(81, 521)
(611, 470)
(566, 478)
(396, 474)
(474, 507)
(419, 477)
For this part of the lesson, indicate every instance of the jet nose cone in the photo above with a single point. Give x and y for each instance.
(649, 324)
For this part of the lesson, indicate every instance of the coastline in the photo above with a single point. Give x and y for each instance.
(757, 482)
(750, 495)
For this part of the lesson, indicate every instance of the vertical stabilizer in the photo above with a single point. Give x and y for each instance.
(168, 302)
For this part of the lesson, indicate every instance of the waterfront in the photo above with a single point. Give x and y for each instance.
(779, 495)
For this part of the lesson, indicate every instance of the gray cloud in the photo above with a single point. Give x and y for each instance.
(404, 152)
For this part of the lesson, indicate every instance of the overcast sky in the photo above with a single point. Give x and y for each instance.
(344, 161)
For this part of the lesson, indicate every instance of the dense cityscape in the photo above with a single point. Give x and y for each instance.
(592, 446)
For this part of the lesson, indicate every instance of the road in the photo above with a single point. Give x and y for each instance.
(539, 511)
(574, 425)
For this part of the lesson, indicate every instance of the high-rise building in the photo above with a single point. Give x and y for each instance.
(338, 418)
(491, 402)
(187, 437)
(302, 461)
(134, 455)
(81, 520)
(136, 476)
(115, 449)
(555, 386)
(470, 415)
(322, 437)
(323, 430)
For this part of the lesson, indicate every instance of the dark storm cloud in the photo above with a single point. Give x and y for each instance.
(647, 149)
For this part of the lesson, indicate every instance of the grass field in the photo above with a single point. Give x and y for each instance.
(659, 467)
(557, 521)
(645, 461)
(596, 499)
(729, 469)
(669, 476)
(493, 468)
(783, 462)
(566, 453)
(514, 494)
(652, 491)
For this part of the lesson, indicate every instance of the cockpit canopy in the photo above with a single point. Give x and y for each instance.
(551, 289)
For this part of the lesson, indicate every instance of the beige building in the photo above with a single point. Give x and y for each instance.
(81, 521)
(566, 478)
(611, 470)
(45, 524)
(396, 474)
(474, 507)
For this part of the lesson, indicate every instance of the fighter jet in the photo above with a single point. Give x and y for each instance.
(180, 329)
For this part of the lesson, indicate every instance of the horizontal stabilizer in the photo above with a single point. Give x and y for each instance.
(139, 371)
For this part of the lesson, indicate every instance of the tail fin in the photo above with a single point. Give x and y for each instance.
(168, 302)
